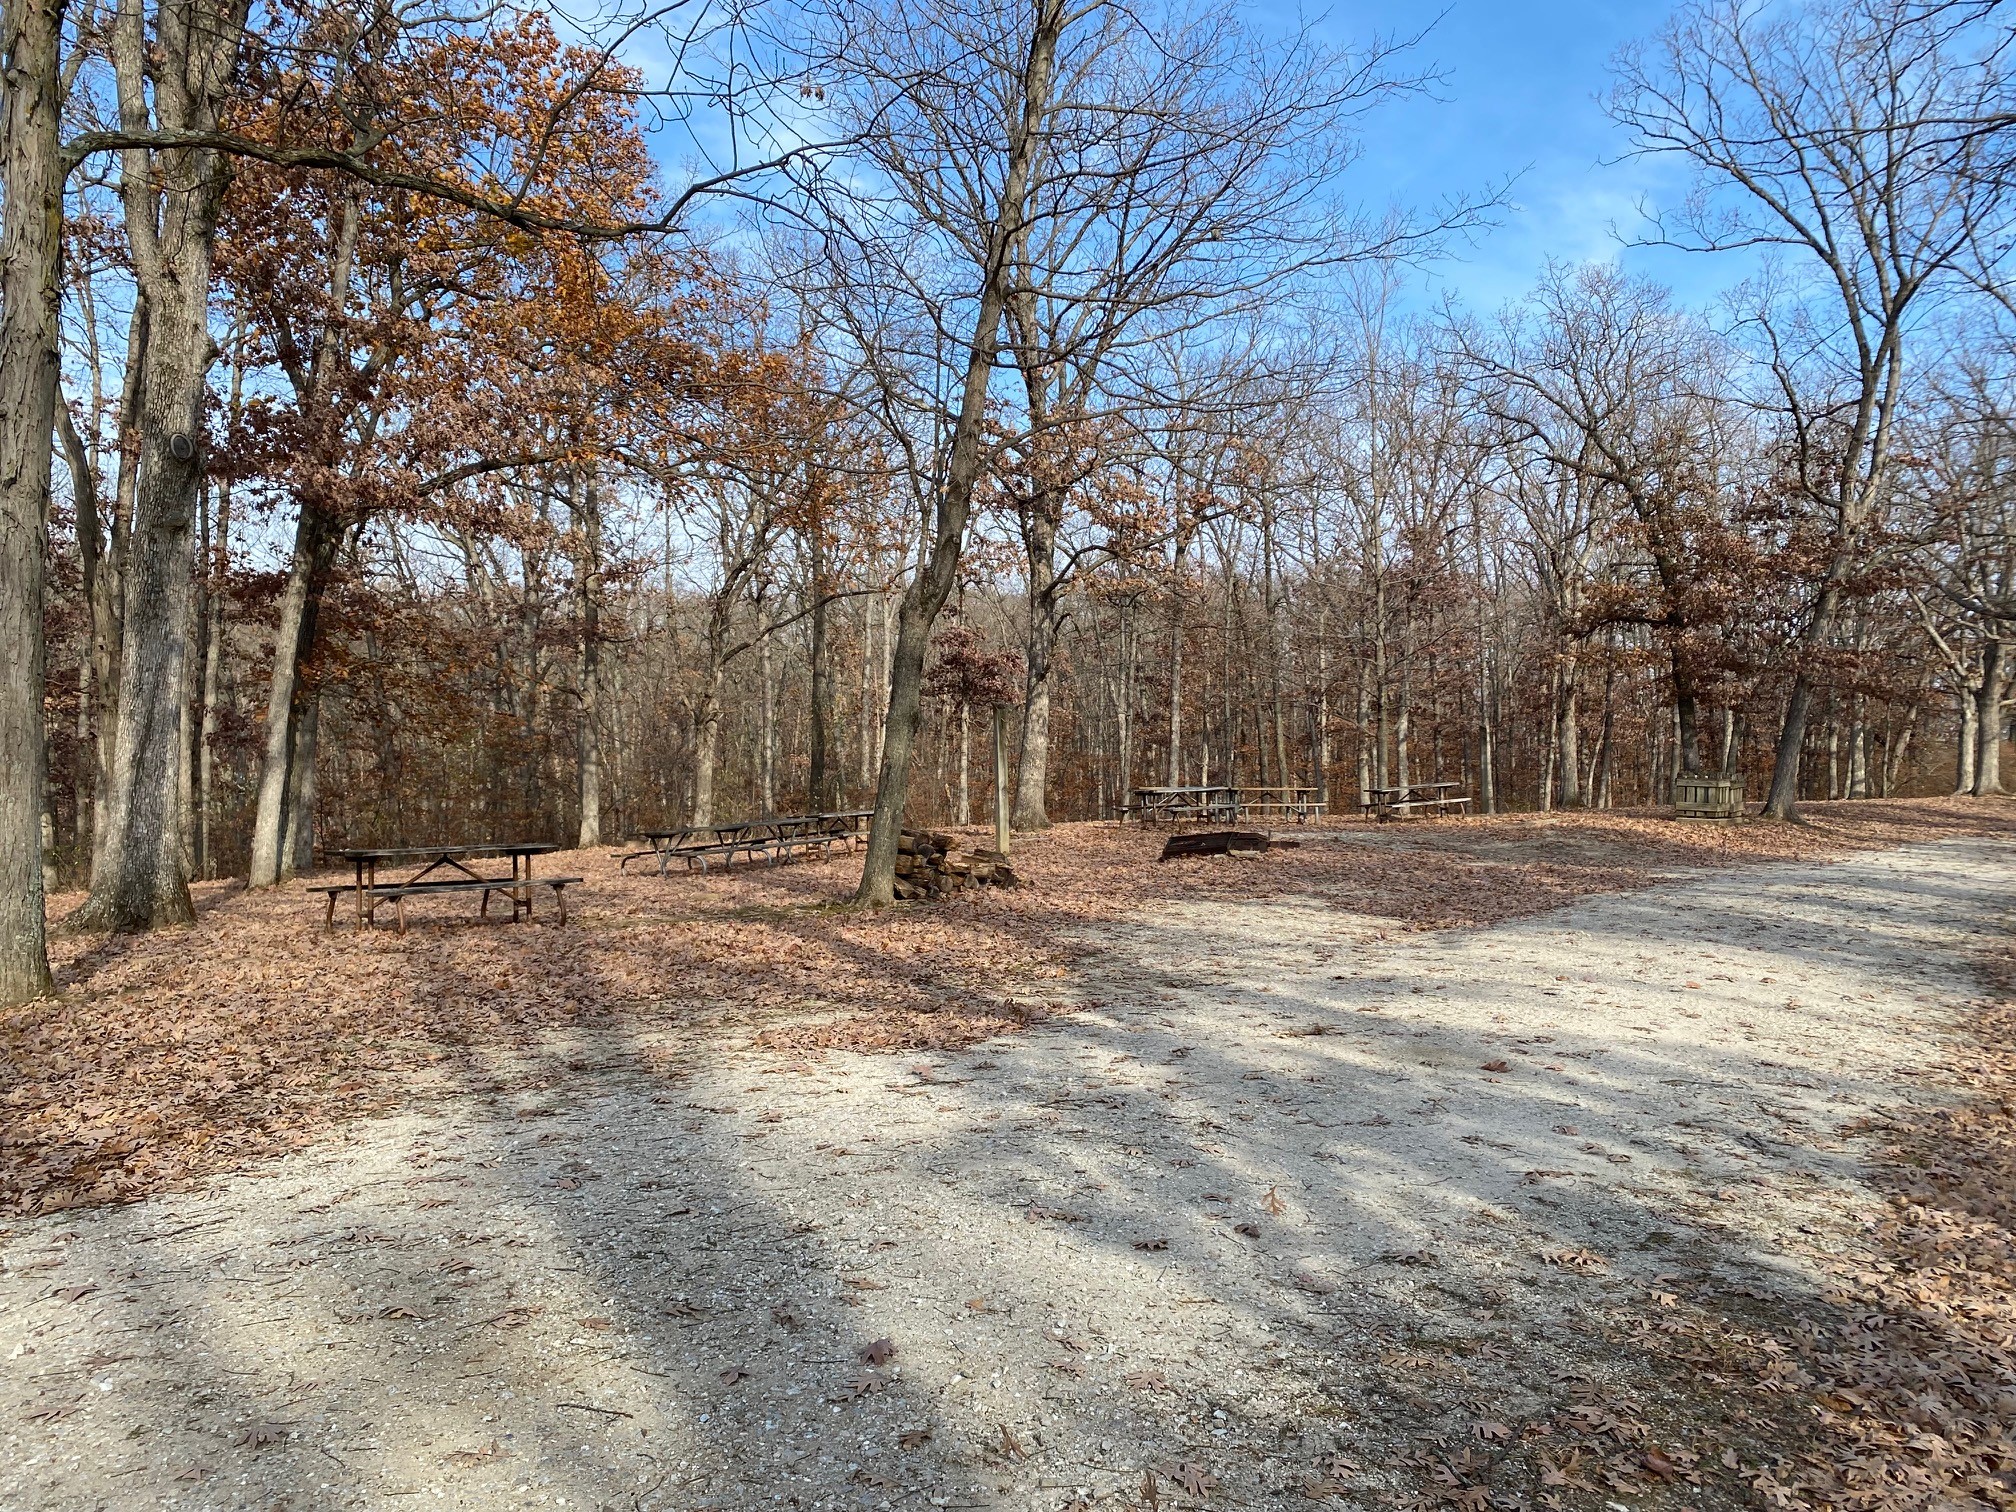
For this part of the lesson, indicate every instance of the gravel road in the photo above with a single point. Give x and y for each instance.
(1287, 1192)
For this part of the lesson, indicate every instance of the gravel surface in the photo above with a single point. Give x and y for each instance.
(1287, 1194)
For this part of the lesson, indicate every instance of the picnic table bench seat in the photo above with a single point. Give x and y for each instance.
(1438, 804)
(518, 890)
(1412, 798)
(775, 838)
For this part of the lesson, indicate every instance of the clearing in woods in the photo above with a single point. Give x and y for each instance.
(1518, 1163)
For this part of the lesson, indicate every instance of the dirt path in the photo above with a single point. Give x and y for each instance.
(1298, 1203)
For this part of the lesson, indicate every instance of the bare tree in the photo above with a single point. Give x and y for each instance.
(1812, 130)
(1604, 379)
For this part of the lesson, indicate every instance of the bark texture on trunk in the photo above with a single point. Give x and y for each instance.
(316, 535)
(588, 596)
(822, 779)
(170, 201)
(1988, 698)
(1782, 802)
(1032, 766)
(31, 250)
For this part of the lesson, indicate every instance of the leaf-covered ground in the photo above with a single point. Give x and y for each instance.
(1690, 1197)
(184, 1052)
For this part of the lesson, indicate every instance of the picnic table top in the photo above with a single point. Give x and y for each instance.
(762, 821)
(481, 848)
(1216, 787)
(1414, 787)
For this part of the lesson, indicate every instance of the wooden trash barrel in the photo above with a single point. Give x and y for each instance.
(1717, 798)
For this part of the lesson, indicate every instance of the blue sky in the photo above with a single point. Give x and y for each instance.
(1521, 97)
(1522, 94)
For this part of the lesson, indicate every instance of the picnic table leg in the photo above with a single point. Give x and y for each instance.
(361, 912)
(329, 918)
(560, 902)
(399, 912)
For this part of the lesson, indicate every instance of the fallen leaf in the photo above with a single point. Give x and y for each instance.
(464, 1459)
(879, 1351)
(1192, 1477)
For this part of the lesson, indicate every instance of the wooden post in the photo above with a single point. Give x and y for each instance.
(1000, 781)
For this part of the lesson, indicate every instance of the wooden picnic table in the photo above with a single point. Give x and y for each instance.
(1227, 801)
(1384, 803)
(773, 834)
(369, 891)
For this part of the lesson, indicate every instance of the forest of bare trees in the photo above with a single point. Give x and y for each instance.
(395, 445)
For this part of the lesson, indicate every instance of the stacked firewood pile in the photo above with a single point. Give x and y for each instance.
(928, 866)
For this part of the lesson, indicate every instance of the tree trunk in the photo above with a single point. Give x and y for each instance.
(822, 783)
(1032, 766)
(1858, 749)
(31, 249)
(1783, 800)
(317, 533)
(1567, 735)
(706, 746)
(170, 200)
(766, 731)
(588, 600)
(1687, 721)
(298, 854)
(1175, 767)
(1993, 689)
(938, 568)
(965, 809)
